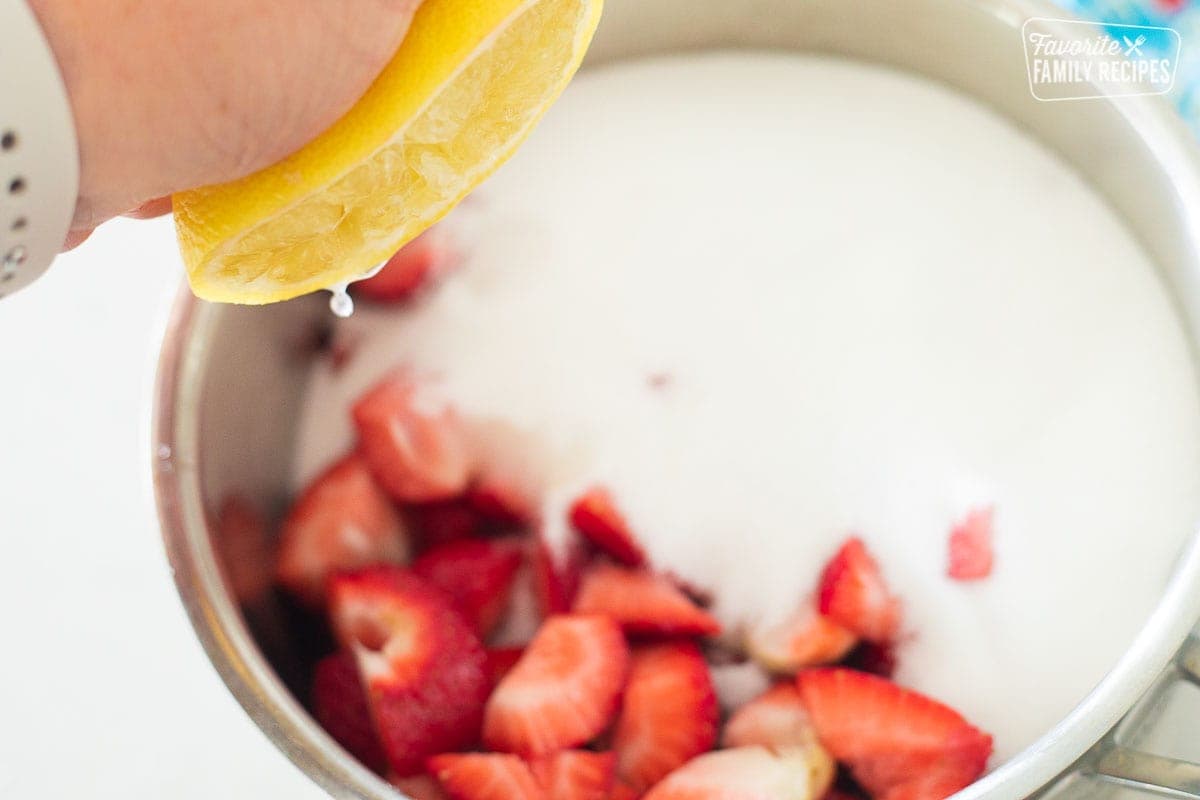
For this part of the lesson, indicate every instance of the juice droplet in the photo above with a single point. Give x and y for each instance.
(340, 303)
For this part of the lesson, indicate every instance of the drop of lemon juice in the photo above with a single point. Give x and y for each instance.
(340, 301)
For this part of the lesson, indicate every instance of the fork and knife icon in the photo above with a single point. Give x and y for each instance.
(1134, 46)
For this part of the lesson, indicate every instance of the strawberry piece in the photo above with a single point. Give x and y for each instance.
(897, 743)
(853, 594)
(501, 660)
(415, 445)
(971, 555)
(564, 690)
(422, 665)
(643, 603)
(443, 521)
(556, 580)
(873, 657)
(477, 573)
(804, 639)
(410, 269)
(339, 703)
(576, 775)
(486, 776)
(777, 718)
(623, 791)
(341, 521)
(669, 714)
(742, 773)
(501, 502)
(244, 543)
(419, 787)
(596, 517)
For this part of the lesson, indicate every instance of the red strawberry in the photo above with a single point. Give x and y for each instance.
(623, 791)
(804, 639)
(443, 521)
(896, 742)
(576, 775)
(501, 660)
(413, 443)
(564, 690)
(501, 502)
(410, 269)
(853, 594)
(556, 579)
(419, 787)
(873, 657)
(669, 714)
(971, 554)
(486, 776)
(244, 543)
(422, 664)
(642, 603)
(339, 703)
(742, 773)
(774, 719)
(341, 521)
(477, 573)
(595, 515)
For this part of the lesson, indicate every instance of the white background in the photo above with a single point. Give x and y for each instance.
(104, 691)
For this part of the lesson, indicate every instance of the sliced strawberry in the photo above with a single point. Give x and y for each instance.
(564, 690)
(643, 603)
(623, 791)
(419, 787)
(477, 573)
(486, 776)
(596, 517)
(501, 502)
(423, 666)
(501, 660)
(971, 555)
(873, 657)
(556, 579)
(669, 713)
(774, 719)
(897, 743)
(244, 542)
(339, 703)
(341, 521)
(804, 639)
(413, 443)
(742, 773)
(853, 594)
(410, 269)
(444, 521)
(576, 774)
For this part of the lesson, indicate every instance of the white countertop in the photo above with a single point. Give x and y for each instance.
(104, 691)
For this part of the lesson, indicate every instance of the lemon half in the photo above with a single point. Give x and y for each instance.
(465, 88)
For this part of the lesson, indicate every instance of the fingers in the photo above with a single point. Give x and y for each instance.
(151, 208)
(76, 238)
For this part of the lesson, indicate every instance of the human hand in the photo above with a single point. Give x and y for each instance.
(173, 94)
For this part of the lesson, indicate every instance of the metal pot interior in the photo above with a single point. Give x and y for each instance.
(231, 378)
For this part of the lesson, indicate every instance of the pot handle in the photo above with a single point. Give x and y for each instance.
(1168, 777)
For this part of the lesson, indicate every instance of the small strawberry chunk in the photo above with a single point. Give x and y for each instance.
(443, 521)
(501, 502)
(501, 660)
(669, 713)
(774, 719)
(414, 444)
(742, 773)
(423, 666)
(563, 692)
(576, 775)
(556, 579)
(341, 521)
(853, 594)
(643, 603)
(873, 657)
(898, 744)
(486, 776)
(623, 791)
(804, 639)
(419, 787)
(477, 573)
(596, 517)
(411, 269)
(339, 703)
(971, 555)
(243, 541)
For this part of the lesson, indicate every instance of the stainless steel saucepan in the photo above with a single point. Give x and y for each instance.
(231, 378)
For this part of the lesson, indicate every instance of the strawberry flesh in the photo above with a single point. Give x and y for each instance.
(423, 666)
(853, 594)
(477, 573)
(339, 703)
(443, 521)
(774, 719)
(643, 603)
(970, 553)
(556, 580)
(669, 714)
(898, 744)
(595, 516)
(486, 776)
(576, 775)
(564, 690)
(411, 269)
